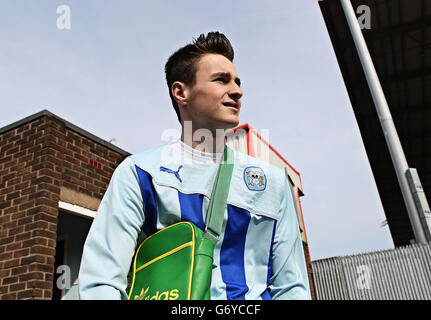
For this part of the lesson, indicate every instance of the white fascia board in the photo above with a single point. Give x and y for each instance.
(75, 209)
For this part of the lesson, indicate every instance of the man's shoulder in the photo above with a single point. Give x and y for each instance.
(148, 154)
(145, 160)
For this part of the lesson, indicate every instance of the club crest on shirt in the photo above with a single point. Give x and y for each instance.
(255, 178)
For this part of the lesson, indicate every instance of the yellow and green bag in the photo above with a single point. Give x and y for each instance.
(175, 263)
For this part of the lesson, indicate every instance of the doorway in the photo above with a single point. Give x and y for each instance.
(72, 230)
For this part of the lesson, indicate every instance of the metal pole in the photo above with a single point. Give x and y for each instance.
(386, 121)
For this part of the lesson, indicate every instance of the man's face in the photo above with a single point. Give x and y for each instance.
(214, 101)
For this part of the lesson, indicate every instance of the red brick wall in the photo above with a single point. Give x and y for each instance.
(37, 159)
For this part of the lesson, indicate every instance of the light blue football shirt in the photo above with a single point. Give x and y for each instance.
(259, 254)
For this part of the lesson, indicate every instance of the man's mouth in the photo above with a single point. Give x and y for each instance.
(231, 104)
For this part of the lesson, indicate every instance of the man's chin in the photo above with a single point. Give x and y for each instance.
(229, 124)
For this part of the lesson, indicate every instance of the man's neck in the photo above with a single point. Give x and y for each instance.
(210, 142)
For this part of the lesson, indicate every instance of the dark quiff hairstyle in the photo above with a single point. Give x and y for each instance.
(182, 65)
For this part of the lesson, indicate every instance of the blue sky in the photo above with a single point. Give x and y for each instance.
(106, 75)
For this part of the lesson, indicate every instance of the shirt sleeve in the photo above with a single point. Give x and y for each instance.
(289, 278)
(112, 239)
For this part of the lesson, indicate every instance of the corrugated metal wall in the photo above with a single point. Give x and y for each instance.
(403, 273)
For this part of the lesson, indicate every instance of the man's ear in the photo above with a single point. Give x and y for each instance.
(180, 92)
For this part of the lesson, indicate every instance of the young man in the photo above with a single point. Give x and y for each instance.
(259, 254)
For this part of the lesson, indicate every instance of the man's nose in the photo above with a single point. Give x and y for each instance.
(235, 91)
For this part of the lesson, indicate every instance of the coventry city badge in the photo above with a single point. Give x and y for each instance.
(255, 178)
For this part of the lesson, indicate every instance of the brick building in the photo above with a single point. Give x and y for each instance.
(53, 176)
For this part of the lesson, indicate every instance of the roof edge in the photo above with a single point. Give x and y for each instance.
(68, 125)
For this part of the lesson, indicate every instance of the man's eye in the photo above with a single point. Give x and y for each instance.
(221, 79)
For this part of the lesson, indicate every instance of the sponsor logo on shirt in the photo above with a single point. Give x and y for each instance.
(175, 173)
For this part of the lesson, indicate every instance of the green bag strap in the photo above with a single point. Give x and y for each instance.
(217, 205)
